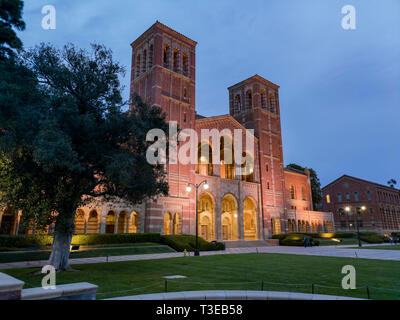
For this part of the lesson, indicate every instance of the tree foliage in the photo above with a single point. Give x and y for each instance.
(10, 18)
(66, 139)
(315, 183)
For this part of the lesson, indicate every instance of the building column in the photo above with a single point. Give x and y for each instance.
(86, 225)
(241, 220)
(116, 222)
(128, 219)
(102, 220)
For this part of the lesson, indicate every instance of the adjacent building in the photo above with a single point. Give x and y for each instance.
(382, 205)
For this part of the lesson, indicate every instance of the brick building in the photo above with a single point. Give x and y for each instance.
(267, 200)
(382, 205)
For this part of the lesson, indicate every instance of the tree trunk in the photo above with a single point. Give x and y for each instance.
(60, 251)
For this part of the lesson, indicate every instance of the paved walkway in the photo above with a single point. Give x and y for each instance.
(325, 251)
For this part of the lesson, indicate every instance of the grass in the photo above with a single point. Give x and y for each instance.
(280, 272)
(138, 248)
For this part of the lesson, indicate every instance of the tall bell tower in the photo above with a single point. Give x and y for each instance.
(255, 104)
(163, 74)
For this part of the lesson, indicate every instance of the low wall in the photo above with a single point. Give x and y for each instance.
(233, 295)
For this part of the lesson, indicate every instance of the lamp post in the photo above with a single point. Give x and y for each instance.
(189, 189)
(359, 210)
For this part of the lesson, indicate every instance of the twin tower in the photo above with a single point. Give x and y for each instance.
(163, 74)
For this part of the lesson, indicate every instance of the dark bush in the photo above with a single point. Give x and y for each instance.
(371, 237)
(188, 242)
(23, 241)
(296, 239)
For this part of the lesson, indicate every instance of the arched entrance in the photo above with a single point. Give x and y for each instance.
(93, 223)
(122, 221)
(250, 219)
(133, 223)
(205, 209)
(275, 226)
(167, 223)
(177, 229)
(79, 222)
(110, 222)
(229, 218)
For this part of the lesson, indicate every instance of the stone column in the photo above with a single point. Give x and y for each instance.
(116, 222)
(240, 214)
(128, 220)
(102, 220)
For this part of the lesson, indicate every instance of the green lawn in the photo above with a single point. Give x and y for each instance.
(138, 248)
(280, 272)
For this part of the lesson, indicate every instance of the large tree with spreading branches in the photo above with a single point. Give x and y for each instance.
(66, 139)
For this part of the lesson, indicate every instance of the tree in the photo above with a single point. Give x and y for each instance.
(10, 17)
(71, 142)
(315, 183)
(392, 183)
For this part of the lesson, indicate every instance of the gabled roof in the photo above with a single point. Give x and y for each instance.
(225, 117)
(257, 78)
(361, 180)
(167, 29)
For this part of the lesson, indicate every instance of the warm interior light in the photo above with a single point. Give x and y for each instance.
(235, 215)
(203, 159)
(188, 188)
(206, 186)
(347, 209)
(363, 208)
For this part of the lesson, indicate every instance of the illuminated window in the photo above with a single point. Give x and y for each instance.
(249, 99)
(328, 198)
(166, 56)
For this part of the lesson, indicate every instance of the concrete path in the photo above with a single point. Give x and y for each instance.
(325, 251)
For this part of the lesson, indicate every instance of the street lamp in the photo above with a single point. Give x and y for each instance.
(189, 189)
(359, 210)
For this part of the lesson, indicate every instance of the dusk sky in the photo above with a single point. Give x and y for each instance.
(340, 89)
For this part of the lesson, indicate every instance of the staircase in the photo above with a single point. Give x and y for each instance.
(251, 244)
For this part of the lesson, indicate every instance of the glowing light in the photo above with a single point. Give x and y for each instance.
(206, 186)
(188, 188)
(235, 215)
(363, 208)
(347, 209)
(203, 159)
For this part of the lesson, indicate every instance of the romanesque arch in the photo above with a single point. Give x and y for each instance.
(205, 209)
(133, 222)
(229, 218)
(177, 227)
(110, 222)
(167, 223)
(79, 222)
(122, 222)
(250, 219)
(93, 223)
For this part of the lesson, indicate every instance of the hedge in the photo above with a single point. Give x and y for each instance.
(371, 237)
(296, 239)
(188, 242)
(318, 235)
(24, 241)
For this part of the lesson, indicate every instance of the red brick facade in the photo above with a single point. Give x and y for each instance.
(382, 204)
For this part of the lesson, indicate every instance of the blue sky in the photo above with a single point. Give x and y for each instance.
(340, 89)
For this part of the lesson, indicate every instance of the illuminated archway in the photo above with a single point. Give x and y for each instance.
(167, 224)
(205, 209)
(93, 223)
(133, 222)
(79, 222)
(177, 228)
(110, 222)
(229, 218)
(122, 221)
(250, 219)
(275, 226)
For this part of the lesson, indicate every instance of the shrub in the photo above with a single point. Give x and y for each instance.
(296, 239)
(25, 241)
(371, 237)
(188, 242)
(344, 235)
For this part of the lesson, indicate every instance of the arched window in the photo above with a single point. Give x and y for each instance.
(185, 64)
(138, 58)
(292, 192)
(151, 52)
(204, 160)
(272, 103)
(227, 169)
(248, 168)
(238, 103)
(176, 60)
(303, 193)
(93, 226)
(263, 99)
(249, 99)
(166, 55)
(144, 64)
(185, 93)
